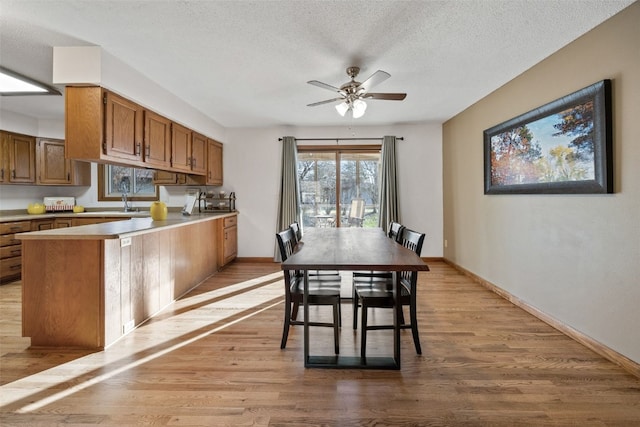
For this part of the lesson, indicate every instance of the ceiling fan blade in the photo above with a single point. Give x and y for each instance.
(325, 86)
(325, 102)
(387, 96)
(375, 79)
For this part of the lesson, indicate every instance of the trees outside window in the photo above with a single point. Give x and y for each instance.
(332, 177)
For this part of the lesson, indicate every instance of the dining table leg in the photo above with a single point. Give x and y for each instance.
(305, 306)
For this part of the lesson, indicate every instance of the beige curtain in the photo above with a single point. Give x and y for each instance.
(389, 207)
(289, 202)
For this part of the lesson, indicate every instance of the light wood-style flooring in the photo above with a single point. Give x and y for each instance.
(213, 359)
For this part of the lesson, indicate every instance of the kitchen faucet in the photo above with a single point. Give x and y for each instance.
(127, 208)
(124, 189)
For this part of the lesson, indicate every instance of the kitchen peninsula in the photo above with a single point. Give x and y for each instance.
(90, 285)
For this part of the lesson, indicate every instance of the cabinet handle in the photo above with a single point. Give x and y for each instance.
(68, 176)
(147, 151)
(226, 235)
(16, 228)
(16, 252)
(2, 174)
(138, 145)
(13, 173)
(193, 162)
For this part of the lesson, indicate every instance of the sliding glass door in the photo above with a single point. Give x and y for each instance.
(339, 186)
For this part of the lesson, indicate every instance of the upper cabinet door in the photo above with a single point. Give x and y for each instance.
(180, 148)
(214, 163)
(157, 140)
(4, 157)
(22, 159)
(53, 168)
(123, 128)
(198, 154)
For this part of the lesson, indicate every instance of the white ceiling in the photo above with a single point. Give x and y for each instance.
(246, 63)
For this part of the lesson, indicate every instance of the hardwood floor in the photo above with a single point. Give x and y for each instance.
(213, 359)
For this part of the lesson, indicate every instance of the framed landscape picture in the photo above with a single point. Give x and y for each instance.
(562, 147)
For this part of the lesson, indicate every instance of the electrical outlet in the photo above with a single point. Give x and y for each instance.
(445, 243)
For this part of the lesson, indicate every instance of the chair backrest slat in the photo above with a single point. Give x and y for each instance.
(287, 243)
(297, 231)
(395, 231)
(411, 240)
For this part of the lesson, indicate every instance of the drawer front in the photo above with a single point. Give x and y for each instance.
(230, 221)
(10, 267)
(8, 240)
(15, 227)
(44, 224)
(10, 251)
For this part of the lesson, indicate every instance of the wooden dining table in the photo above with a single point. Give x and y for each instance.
(353, 248)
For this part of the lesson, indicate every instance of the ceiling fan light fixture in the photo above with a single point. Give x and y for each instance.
(359, 107)
(342, 108)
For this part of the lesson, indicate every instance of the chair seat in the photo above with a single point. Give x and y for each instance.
(316, 289)
(375, 274)
(326, 276)
(379, 296)
(380, 285)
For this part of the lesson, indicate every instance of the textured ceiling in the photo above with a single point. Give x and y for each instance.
(246, 63)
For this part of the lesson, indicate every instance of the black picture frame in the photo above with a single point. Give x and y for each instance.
(516, 161)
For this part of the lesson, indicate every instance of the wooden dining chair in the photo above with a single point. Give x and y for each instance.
(331, 275)
(378, 294)
(321, 292)
(371, 278)
(297, 231)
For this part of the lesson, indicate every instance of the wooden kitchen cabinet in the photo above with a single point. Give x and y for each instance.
(213, 168)
(123, 127)
(228, 240)
(54, 169)
(99, 289)
(64, 222)
(103, 127)
(11, 249)
(174, 178)
(188, 150)
(180, 147)
(157, 140)
(214, 163)
(198, 154)
(18, 161)
(43, 224)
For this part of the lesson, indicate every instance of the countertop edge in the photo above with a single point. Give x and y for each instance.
(120, 229)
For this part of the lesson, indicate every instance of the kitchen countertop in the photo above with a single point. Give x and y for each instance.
(9, 216)
(117, 229)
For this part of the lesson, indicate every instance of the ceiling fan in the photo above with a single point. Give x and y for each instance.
(353, 93)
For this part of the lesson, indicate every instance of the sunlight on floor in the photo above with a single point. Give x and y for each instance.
(183, 322)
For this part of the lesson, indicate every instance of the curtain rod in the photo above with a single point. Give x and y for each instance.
(343, 139)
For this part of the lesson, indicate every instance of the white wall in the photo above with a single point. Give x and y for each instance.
(252, 169)
(574, 257)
